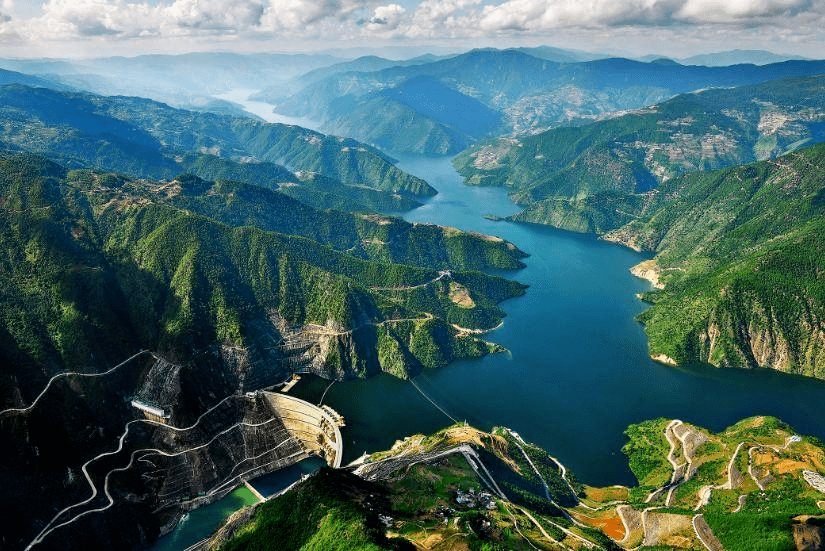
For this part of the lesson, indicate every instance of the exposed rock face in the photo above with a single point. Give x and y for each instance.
(648, 270)
(809, 533)
(744, 332)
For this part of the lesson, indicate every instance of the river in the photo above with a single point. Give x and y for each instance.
(577, 372)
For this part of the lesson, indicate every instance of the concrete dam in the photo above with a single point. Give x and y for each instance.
(316, 428)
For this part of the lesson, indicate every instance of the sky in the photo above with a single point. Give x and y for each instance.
(675, 28)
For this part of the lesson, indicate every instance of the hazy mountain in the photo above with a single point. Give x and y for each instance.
(736, 57)
(13, 77)
(529, 94)
(560, 55)
(183, 80)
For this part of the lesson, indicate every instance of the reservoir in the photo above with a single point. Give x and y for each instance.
(577, 372)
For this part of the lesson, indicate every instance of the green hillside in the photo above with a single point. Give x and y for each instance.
(78, 243)
(143, 138)
(589, 178)
(739, 252)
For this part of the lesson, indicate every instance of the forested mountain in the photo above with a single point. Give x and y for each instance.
(407, 109)
(144, 138)
(592, 178)
(98, 266)
(739, 257)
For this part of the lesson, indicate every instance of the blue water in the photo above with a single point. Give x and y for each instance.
(576, 374)
(272, 483)
(578, 371)
(201, 522)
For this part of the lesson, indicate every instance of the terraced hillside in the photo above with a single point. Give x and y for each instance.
(756, 485)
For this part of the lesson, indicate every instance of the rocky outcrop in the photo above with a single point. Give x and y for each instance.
(649, 270)
(809, 533)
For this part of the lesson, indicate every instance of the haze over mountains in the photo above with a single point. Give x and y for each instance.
(442, 106)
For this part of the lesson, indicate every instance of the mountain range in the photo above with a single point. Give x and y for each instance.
(407, 108)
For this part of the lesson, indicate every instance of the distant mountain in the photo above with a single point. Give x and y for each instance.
(591, 178)
(560, 55)
(13, 77)
(528, 93)
(737, 57)
(183, 80)
(144, 138)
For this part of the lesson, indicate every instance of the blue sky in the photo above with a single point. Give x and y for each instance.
(678, 28)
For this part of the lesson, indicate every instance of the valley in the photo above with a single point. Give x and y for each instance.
(166, 271)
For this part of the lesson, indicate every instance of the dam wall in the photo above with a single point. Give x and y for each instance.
(317, 428)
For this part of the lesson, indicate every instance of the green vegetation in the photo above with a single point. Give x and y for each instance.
(557, 487)
(381, 238)
(77, 243)
(333, 510)
(766, 521)
(647, 450)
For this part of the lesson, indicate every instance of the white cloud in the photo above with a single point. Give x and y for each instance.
(71, 19)
(386, 18)
(296, 14)
(551, 14)
(285, 23)
(723, 10)
(8, 31)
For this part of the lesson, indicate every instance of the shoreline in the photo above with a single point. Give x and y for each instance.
(648, 270)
